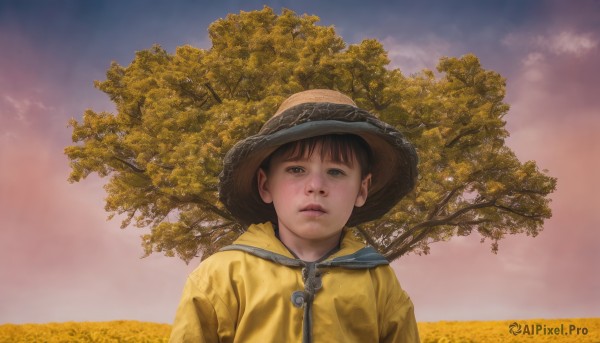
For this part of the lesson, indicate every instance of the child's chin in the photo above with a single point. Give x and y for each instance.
(317, 232)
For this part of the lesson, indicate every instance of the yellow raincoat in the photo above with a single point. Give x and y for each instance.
(247, 294)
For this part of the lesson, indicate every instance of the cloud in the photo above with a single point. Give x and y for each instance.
(534, 67)
(558, 61)
(567, 42)
(533, 59)
(412, 57)
(21, 107)
(562, 42)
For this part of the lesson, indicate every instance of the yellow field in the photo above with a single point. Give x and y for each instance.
(531, 330)
(101, 332)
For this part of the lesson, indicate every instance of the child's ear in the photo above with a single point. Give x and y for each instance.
(363, 191)
(263, 190)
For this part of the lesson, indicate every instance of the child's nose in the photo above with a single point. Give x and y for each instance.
(316, 184)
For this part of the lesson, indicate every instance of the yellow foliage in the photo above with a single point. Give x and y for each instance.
(494, 187)
(538, 330)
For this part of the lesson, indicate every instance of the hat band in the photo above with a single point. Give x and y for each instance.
(318, 128)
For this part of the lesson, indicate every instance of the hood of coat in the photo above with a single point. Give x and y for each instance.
(262, 236)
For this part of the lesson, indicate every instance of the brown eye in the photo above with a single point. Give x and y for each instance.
(295, 170)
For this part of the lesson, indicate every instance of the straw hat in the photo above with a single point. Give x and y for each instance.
(314, 113)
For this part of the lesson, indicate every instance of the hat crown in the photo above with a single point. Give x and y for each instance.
(314, 95)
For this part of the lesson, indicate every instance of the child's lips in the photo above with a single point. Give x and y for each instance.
(313, 209)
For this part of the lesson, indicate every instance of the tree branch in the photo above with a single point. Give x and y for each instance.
(408, 246)
(202, 99)
(131, 166)
(211, 227)
(437, 222)
(461, 135)
(471, 222)
(170, 168)
(205, 204)
(235, 87)
(368, 237)
(214, 94)
(529, 191)
(512, 210)
(434, 212)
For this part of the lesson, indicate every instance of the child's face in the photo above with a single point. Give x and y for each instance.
(313, 198)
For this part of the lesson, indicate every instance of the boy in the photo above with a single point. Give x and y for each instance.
(298, 274)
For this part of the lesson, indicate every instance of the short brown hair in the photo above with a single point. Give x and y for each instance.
(342, 148)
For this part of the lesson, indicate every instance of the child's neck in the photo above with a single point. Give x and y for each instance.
(309, 250)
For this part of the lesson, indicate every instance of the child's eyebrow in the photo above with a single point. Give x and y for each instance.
(328, 160)
(344, 163)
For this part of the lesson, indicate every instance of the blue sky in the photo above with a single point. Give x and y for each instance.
(64, 261)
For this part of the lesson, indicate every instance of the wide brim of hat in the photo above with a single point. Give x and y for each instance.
(394, 159)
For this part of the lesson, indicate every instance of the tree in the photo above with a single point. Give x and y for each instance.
(178, 114)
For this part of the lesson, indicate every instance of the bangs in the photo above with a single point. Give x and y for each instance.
(344, 148)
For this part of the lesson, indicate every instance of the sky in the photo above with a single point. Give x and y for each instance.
(62, 260)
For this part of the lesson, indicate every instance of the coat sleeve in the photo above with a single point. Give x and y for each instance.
(196, 319)
(399, 324)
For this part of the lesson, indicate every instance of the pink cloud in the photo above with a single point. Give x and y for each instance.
(567, 42)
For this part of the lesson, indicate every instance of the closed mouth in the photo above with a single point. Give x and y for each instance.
(313, 208)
